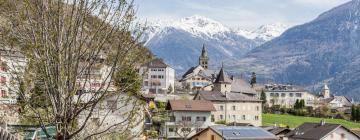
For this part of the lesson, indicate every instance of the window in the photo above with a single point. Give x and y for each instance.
(234, 117)
(256, 118)
(221, 107)
(342, 135)
(212, 137)
(3, 93)
(153, 76)
(283, 94)
(146, 83)
(257, 108)
(271, 94)
(298, 94)
(234, 108)
(171, 129)
(186, 118)
(2, 80)
(161, 76)
(186, 129)
(200, 119)
(243, 117)
(276, 94)
(212, 118)
(221, 117)
(291, 94)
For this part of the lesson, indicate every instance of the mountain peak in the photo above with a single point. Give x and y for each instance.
(201, 25)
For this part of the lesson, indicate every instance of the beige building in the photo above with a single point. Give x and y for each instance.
(231, 106)
(286, 95)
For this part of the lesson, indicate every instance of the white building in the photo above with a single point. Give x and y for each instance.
(187, 117)
(157, 77)
(333, 101)
(286, 95)
(12, 65)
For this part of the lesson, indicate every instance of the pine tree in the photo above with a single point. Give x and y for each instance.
(353, 112)
(263, 97)
(296, 106)
(302, 104)
(357, 113)
(253, 79)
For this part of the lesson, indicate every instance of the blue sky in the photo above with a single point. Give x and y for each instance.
(237, 13)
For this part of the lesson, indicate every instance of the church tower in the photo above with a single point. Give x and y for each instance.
(204, 59)
(222, 82)
(326, 92)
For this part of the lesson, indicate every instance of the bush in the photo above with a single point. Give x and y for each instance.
(221, 122)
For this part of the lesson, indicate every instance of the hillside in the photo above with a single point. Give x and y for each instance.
(323, 50)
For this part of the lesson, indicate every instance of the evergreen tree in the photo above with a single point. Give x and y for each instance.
(357, 113)
(263, 97)
(353, 112)
(302, 104)
(296, 106)
(253, 79)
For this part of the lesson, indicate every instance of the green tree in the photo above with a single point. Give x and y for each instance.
(302, 104)
(297, 103)
(263, 97)
(353, 113)
(253, 79)
(65, 45)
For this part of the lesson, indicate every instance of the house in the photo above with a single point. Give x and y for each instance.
(279, 132)
(12, 65)
(340, 103)
(200, 76)
(231, 106)
(321, 131)
(157, 77)
(286, 95)
(187, 117)
(233, 133)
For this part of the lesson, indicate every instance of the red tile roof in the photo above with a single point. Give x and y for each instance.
(190, 105)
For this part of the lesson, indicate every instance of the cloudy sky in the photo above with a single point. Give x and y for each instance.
(237, 13)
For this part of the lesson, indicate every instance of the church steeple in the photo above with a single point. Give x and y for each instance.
(222, 82)
(204, 59)
(326, 91)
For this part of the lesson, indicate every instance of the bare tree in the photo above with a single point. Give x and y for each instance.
(80, 54)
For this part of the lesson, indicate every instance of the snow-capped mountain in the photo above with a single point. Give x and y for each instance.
(179, 42)
(264, 33)
(324, 50)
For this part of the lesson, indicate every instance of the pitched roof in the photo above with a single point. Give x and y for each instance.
(156, 63)
(190, 105)
(314, 130)
(240, 85)
(231, 96)
(243, 132)
(198, 70)
(222, 77)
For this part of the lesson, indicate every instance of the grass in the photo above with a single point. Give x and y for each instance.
(294, 121)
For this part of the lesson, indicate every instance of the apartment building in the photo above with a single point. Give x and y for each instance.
(157, 77)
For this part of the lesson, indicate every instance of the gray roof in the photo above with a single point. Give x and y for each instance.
(222, 77)
(198, 70)
(313, 130)
(156, 63)
(240, 85)
(243, 132)
(342, 99)
(231, 96)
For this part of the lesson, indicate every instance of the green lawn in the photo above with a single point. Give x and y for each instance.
(294, 121)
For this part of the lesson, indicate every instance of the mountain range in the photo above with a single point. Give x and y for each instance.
(179, 42)
(325, 50)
